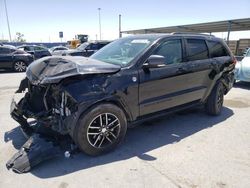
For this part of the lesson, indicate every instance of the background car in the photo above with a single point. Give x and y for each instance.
(36, 51)
(57, 48)
(86, 49)
(12, 58)
(242, 69)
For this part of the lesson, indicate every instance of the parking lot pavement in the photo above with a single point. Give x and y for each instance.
(10, 80)
(188, 149)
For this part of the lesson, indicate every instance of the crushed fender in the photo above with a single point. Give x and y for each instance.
(33, 152)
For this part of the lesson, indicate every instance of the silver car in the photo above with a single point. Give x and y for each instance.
(242, 69)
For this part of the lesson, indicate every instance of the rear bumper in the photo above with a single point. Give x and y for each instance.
(228, 81)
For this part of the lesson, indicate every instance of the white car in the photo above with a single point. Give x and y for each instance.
(242, 69)
(55, 49)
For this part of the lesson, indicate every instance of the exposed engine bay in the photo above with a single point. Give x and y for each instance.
(49, 106)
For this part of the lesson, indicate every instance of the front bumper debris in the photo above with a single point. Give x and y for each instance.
(33, 152)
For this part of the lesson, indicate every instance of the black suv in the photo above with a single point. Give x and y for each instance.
(12, 58)
(128, 81)
(36, 51)
(86, 49)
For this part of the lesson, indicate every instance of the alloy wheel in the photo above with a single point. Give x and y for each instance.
(103, 130)
(19, 66)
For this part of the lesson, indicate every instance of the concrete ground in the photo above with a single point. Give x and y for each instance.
(188, 149)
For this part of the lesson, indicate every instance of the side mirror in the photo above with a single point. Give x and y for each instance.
(154, 61)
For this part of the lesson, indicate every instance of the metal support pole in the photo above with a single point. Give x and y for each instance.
(100, 27)
(120, 32)
(228, 30)
(6, 12)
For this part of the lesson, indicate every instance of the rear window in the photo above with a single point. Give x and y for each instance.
(216, 49)
(196, 49)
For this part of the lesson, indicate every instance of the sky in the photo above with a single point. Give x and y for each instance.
(41, 21)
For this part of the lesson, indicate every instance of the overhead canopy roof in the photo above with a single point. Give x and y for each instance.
(209, 27)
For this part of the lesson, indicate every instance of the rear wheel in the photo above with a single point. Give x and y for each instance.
(19, 66)
(215, 100)
(101, 129)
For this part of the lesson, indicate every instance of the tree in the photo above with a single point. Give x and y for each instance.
(19, 37)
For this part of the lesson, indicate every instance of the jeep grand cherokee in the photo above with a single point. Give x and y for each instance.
(130, 80)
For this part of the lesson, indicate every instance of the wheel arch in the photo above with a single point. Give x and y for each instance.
(115, 102)
(85, 109)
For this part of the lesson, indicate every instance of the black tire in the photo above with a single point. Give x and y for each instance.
(19, 66)
(95, 133)
(215, 100)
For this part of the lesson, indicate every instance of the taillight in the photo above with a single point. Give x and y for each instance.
(234, 60)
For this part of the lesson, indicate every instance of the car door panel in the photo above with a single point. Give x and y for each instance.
(168, 87)
(6, 58)
(200, 63)
(173, 85)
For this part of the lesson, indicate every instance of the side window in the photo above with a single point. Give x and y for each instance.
(28, 48)
(102, 45)
(38, 48)
(196, 49)
(4, 50)
(171, 50)
(216, 49)
(94, 46)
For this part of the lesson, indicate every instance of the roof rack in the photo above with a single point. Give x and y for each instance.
(176, 33)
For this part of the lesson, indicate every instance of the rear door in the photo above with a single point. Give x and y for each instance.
(200, 65)
(168, 86)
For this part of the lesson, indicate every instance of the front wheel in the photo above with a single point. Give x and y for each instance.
(215, 100)
(19, 66)
(100, 129)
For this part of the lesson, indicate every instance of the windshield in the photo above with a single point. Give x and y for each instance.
(82, 46)
(122, 51)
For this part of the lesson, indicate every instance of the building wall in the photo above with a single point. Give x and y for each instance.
(238, 46)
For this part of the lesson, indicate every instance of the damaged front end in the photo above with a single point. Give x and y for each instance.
(45, 117)
(49, 106)
(47, 113)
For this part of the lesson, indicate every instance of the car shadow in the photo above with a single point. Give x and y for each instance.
(243, 85)
(138, 142)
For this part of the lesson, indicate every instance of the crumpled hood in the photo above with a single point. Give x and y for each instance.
(53, 69)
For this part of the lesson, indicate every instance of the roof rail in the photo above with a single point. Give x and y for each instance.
(190, 33)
